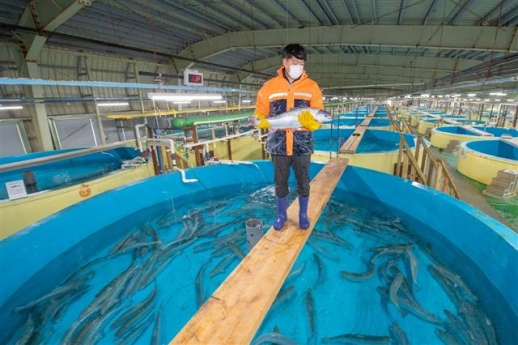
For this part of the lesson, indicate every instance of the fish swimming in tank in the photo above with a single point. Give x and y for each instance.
(292, 119)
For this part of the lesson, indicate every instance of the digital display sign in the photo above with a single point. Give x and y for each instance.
(193, 78)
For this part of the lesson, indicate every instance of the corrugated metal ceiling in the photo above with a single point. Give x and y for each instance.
(163, 30)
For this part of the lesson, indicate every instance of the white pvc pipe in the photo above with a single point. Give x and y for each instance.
(160, 142)
(221, 139)
(184, 179)
(170, 143)
(137, 131)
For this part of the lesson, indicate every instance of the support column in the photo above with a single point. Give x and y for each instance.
(100, 125)
(46, 17)
(515, 116)
(39, 117)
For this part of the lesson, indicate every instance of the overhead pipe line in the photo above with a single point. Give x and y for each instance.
(85, 83)
(166, 75)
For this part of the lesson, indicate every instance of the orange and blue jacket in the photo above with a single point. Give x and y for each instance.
(278, 96)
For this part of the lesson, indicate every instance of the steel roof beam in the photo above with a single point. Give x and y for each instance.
(305, 7)
(431, 11)
(355, 9)
(374, 15)
(43, 16)
(513, 22)
(132, 16)
(508, 17)
(284, 9)
(347, 12)
(446, 65)
(460, 13)
(328, 13)
(496, 12)
(472, 38)
(245, 14)
(400, 14)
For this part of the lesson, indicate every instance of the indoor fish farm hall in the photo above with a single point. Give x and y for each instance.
(258, 172)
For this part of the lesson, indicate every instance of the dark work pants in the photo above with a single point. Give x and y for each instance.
(282, 165)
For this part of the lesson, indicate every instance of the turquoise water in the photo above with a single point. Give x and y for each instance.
(367, 145)
(140, 280)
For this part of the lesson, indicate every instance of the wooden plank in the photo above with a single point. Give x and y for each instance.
(353, 141)
(369, 117)
(366, 122)
(237, 308)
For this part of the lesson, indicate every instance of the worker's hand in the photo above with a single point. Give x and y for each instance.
(263, 123)
(308, 121)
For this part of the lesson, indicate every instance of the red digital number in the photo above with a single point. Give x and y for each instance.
(195, 78)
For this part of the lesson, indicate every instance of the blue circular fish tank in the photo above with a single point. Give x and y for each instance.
(494, 131)
(463, 121)
(54, 173)
(389, 260)
(326, 140)
(355, 122)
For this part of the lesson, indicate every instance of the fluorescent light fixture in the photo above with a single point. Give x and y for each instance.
(472, 94)
(14, 107)
(497, 94)
(112, 104)
(246, 101)
(183, 97)
(182, 102)
(222, 101)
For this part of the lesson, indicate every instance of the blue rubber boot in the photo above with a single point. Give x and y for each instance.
(303, 212)
(282, 216)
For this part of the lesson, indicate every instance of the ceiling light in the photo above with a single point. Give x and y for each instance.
(182, 102)
(14, 107)
(472, 94)
(497, 94)
(246, 101)
(113, 104)
(183, 97)
(222, 101)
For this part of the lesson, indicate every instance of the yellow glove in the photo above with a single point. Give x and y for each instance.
(308, 121)
(263, 123)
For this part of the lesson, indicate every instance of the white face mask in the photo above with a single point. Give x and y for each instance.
(295, 71)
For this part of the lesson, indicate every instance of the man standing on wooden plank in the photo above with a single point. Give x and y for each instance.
(291, 88)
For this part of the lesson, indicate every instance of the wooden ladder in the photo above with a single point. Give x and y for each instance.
(423, 167)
